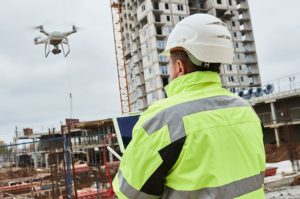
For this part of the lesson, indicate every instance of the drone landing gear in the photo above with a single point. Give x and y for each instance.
(47, 49)
(65, 41)
(56, 49)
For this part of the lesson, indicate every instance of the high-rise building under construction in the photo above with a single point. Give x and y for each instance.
(145, 26)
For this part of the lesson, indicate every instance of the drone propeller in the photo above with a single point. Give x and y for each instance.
(38, 27)
(76, 28)
(36, 39)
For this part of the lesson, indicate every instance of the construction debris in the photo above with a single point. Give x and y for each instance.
(296, 181)
(284, 193)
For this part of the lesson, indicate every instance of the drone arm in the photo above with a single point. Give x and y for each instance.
(74, 30)
(43, 41)
(69, 33)
(44, 32)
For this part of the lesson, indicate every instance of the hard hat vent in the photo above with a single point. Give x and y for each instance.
(217, 23)
(223, 37)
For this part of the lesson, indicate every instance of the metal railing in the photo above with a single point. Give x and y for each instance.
(286, 83)
(294, 115)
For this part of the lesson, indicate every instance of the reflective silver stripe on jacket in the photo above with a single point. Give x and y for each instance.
(228, 191)
(131, 192)
(173, 116)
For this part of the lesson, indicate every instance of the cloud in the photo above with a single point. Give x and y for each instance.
(34, 89)
(276, 27)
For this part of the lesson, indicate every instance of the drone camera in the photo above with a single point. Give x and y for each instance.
(56, 51)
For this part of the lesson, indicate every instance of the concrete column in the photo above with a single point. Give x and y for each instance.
(87, 155)
(46, 160)
(274, 121)
(35, 154)
(110, 154)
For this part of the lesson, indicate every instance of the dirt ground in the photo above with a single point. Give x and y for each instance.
(284, 193)
(278, 154)
(20, 173)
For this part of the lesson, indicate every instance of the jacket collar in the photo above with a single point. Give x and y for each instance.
(192, 81)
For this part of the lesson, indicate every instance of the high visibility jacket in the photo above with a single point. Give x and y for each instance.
(200, 142)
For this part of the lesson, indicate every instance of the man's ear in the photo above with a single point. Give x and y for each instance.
(181, 70)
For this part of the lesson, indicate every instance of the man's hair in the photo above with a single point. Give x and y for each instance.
(190, 66)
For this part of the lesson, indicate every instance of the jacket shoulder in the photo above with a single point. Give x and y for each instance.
(155, 108)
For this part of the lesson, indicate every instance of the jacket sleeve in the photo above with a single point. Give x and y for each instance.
(145, 163)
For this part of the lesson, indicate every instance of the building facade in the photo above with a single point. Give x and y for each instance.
(146, 25)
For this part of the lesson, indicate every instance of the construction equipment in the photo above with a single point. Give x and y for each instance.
(119, 53)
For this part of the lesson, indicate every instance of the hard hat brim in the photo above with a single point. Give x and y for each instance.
(205, 53)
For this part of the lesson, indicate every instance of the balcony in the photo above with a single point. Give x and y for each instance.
(134, 35)
(247, 39)
(197, 7)
(254, 83)
(265, 118)
(141, 104)
(139, 81)
(136, 70)
(135, 59)
(159, 22)
(156, 9)
(160, 33)
(244, 18)
(241, 7)
(245, 28)
(250, 60)
(163, 59)
(249, 50)
(194, 10)
(160, 44)
(251, 72)
(133, 48)
(164, 70)
(294, 116)
(141, 92)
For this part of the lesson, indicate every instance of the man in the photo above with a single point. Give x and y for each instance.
(202, 141)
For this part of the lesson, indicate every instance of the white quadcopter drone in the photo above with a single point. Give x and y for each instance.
(55, 38)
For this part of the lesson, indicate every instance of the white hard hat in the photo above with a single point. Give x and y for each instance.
(204, 36)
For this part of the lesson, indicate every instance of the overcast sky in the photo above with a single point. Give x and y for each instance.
(34, 91)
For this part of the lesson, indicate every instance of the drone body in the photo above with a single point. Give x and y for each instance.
(55, 39)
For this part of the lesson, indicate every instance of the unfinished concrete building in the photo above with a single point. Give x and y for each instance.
(146, 25)
(51, 164)
(280, 115)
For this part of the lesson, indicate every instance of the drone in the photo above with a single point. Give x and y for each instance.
(56, 39)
